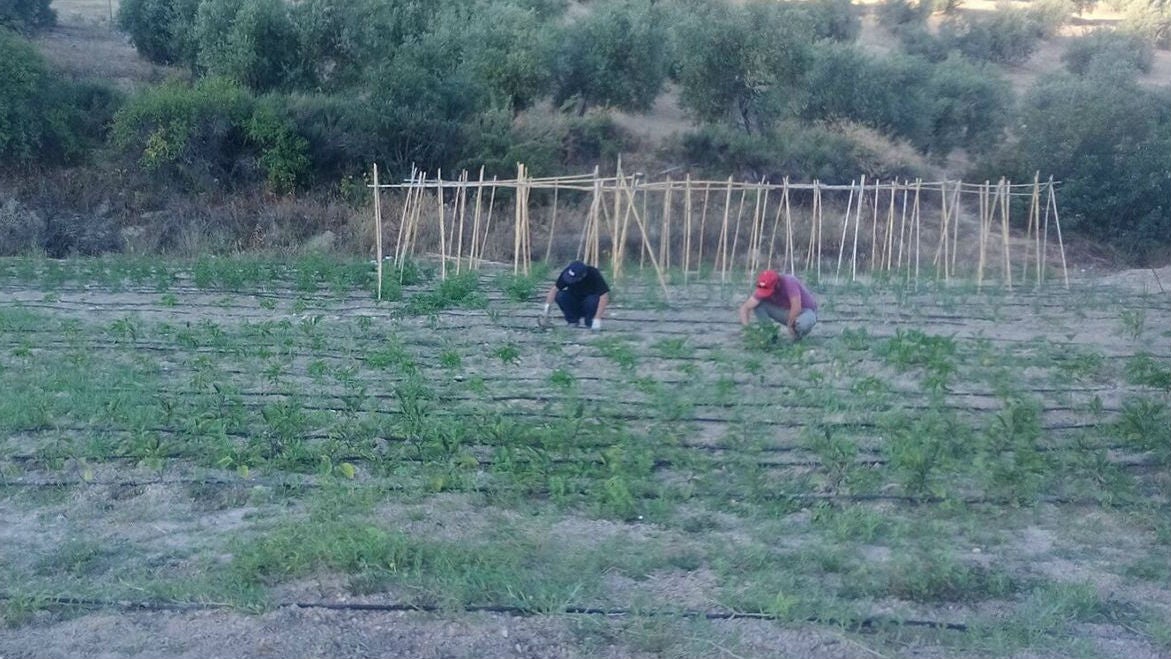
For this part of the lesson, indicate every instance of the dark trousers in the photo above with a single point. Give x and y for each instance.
(576, 308)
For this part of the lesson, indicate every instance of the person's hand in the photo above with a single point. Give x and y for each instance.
(545, 313)
(596, 325)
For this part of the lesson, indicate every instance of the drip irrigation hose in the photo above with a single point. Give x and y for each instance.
(866, 623)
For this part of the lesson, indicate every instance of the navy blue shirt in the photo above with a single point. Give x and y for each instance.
(591, 284)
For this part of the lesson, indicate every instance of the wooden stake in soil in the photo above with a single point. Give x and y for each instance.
(903, 227)
(442, 233)
(707, 189)
(686, 227)
(845, 227)
(857, 223)
(665, 233)
(463, 208)
(552, 225)
(918, 226)
(722, 247)
(984, 226)
(645, 238)
(1002, 192)
(874, 228)
(378, 232)
(476, 222)
(487, 222)
(1057, 225)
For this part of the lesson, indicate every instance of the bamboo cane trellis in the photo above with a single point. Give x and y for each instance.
(752, 225)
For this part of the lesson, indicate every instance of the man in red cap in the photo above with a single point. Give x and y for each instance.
(784, 299)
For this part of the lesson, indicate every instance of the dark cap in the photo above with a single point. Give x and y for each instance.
(574, 272)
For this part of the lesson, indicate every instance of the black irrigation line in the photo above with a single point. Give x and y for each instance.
(868, 623)
(307, 482)
(874, 459)
(302, 340)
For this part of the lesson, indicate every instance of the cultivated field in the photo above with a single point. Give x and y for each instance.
(240, 458)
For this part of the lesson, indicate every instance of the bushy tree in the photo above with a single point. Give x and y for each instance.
(1108, 51)
(937, 107)
(615, 56)
(161, 30)
(507, 49)
(27, 15)
(968, 105)
(45, 119)
(1108, 141)
(214, 134)
(252, 42)
(888, 94)
(741, 62)
(1151, 19)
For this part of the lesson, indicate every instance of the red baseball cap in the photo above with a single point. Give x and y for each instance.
(766, 283)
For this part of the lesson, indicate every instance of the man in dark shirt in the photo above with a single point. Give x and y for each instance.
(582, 294)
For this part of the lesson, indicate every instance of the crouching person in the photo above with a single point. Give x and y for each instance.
(582, 294)
(784, 299)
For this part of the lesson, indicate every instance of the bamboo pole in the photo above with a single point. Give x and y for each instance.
(845, 227)
(1036, 222)
(754, 235)
(476, 215)
(874, 228)
(722, 246)
(645, 238)
(442, 231)
(984, 227)
(707, 189)
(918, 223)
(790, 257)
(1057, 225)
(402, 223)
(487, 223)
(820, 214)
(890, 225)
(1045, 236)
(729, 261)
(665, 234)
(1002, 194)
(857, 223)
(956, 210)
(413, 224)
(686, 227)
(772, 239)
(591, 218)
(378, 233)
(552, 225)
(941, 246)
(903, 227)
(463, 208)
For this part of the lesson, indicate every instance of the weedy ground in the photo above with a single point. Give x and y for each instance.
(936, 469)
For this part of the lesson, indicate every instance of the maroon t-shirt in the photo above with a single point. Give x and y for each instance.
(788, 285)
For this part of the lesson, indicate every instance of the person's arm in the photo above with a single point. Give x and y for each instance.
(794, 311)
(549, 297)
(749, 304)
(603, 300)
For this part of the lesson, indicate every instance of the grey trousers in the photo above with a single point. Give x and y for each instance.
(805, 320)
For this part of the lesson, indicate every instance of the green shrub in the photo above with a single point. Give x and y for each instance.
(1005, 36)
(1109, 52)
(801, 152)
(1098, 135)
(214, 134)
(614, 56)
(43, 118)
(161, 30)
(27, 15)
(253, 43)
